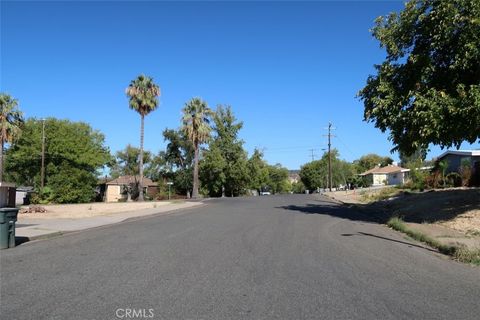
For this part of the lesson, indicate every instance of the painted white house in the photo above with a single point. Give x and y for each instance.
(388, 175)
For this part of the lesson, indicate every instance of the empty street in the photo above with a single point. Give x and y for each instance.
(270, 257)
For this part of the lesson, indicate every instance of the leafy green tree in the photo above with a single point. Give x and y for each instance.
(158, 168)
(315, 174)
(179, 156)
(258, 172)
(212, 169)
(143, 97)
(278, 179)
(196, 125)
(127, 162)
(369, 161)
(227, 146)
(11, 120)
(298, 187)
(417, 157)
(74, 154)
(428, 88)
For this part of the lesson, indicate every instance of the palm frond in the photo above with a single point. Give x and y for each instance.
(143, 94)
(11, 119)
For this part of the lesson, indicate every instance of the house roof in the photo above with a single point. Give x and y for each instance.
(384, 170)
(473, 153)
(124, 180)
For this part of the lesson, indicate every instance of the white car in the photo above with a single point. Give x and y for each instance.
(265, 193)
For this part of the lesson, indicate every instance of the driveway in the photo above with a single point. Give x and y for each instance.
(271, 257)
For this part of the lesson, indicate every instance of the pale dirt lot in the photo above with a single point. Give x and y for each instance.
(450, 215)
(85, 210)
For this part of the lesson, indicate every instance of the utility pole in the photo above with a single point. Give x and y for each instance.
(330, 128)
(42, 173)
(313, 156)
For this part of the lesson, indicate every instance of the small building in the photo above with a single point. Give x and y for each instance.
(23, 194)
(117, 189)
(388, 175)
(455, 158)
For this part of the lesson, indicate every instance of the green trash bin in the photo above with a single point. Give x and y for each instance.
(8, 217)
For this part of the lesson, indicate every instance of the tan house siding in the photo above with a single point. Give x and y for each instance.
(379, 179)
(113, 193)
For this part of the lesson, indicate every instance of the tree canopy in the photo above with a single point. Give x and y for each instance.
(428, 88)
(369, 161)
(143, 94)
(127, 161)
(225, 162)
(74, 152)
(179, 156)
(315, 174)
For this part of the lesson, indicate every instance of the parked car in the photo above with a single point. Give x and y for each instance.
(265, 193)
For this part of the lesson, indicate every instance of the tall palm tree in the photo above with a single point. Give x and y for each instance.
(11, 120)
(196, 124)
(143, 96)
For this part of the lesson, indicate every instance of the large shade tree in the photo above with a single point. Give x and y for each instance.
(11, 120)
(127, 162)
(179, 156)
(74, 157)
(143, 96)
(196, 125)
(225, 163)
(428, 88)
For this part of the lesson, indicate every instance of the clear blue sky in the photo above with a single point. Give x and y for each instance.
(286, 68)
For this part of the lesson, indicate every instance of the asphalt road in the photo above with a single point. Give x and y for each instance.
(272, 257)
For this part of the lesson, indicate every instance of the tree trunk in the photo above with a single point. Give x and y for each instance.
(195, 174)
(140, 182)
(1, 162)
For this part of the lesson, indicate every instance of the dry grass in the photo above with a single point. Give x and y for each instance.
(458, 253)
(380, 194)
(84, 210)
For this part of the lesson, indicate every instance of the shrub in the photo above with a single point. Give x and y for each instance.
(382, 194)
(418, 179)
(43, 196)
(453, 179)
(466, 173)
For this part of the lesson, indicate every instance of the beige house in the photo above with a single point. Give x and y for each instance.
(389, 175)
(293, 176)
(116, 189)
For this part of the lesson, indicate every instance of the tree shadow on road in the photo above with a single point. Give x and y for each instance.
(335, 210)
(427, 207)
(387, 239)
(330, 208)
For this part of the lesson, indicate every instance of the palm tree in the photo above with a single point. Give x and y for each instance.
(196, 124)
(443, 166)
(143, 96)
(11, 120)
